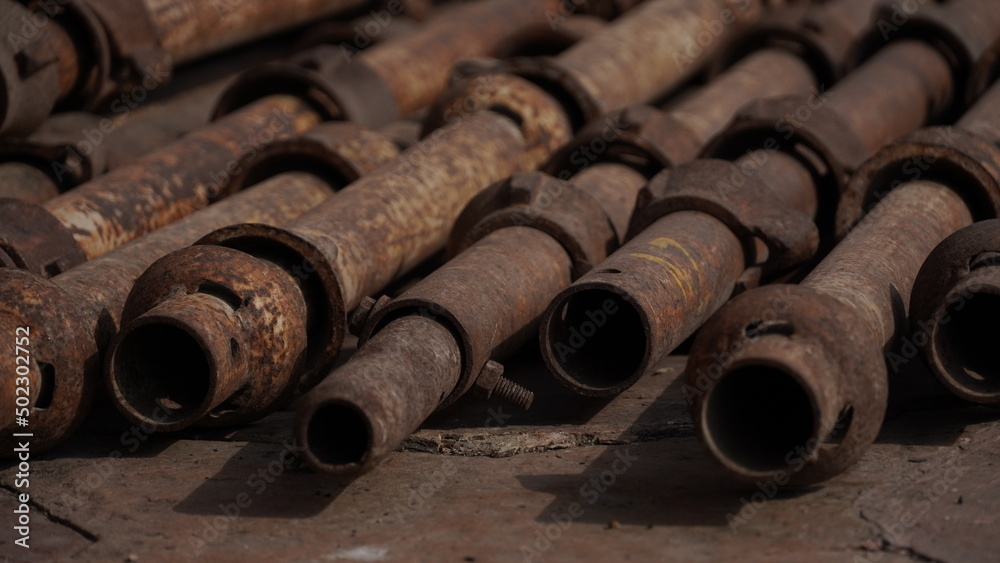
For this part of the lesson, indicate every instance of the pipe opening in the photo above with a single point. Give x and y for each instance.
(46, 385)
(966, 342)
(597, 339)
(161, 373)
(338, 434)
(759, 418)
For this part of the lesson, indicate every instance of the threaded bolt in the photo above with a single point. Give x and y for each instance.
(513, 393)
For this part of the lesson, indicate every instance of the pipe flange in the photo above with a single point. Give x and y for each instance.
(640, 136)
(828, 149)
(256, 297)
(34, 240)
(29, 73)
(965, 32)
(340, 152)
(135, 52)
(756, 213)
(535, 199)
(313, 271)
(351, 92)
(968, 164)
(815, 340)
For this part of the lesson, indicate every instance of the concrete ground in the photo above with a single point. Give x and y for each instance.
(573, 479)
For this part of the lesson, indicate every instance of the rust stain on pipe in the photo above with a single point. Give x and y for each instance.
(73, 316)
(765, 73)
(191, 29)
(373, 231)
(160, 188)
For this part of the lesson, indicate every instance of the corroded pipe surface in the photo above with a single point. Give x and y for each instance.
(74, 315)
(823, 341)
(160, 188)
(373, 231)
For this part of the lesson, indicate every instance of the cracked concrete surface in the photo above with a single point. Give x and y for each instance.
(572, 479)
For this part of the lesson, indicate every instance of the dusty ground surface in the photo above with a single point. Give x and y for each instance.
(573, 479)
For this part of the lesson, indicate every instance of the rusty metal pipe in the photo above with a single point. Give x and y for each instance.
(73, 316)
(832, 402)
(160, 188)
(665, 35)
(955, 298)
(956, 289)
(508, 264)
(78, 55)
(386, 210)
(191, 29)
(688, 259)
(417, 360)
(922, 84)
(389, 81)
(827, 336)
(73, 148)
(350, 432)
(20, 180)
(697, 275)
(764, 73)
(404, 210)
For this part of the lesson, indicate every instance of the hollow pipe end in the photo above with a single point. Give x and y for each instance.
(335, 436)
(238, 326)
(962, 336)
(165, 373)
(595, 338)
(785, 383)
(953, 305)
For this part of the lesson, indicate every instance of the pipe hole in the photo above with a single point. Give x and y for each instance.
(759, 418)
(161, 372)
(47, 385)
(757, 329)
(223, 293)
(597, 338)
(966, 341)
(338, 434)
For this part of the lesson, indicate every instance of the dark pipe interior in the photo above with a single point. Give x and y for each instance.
(759, 417)
(338, 435)
(161, 372)
(966, 341)
(595, 347)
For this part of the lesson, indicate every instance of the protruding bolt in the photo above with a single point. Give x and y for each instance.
(365, 309)
(492, 382)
